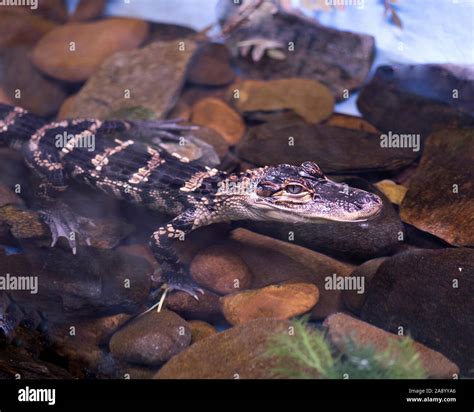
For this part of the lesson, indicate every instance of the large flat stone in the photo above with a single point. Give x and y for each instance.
(429, 293)
(440, 195)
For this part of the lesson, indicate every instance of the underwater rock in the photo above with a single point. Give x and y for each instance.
(377, 237)
(394, 192)
(344, 329)
(200, 330)
(167, 32)
(308, 98)
(440, 195)
(218, 115)
(80, 341)
(418, 99)
(237, 352)
(282, 301)
(334, 149)
(150, 77)
(95, 282)
(152, 338)
(219, 269)
(429, 294)
(23, 224)
(88, 10)
(350, 122)
(18, 28)
(274, 261)
(52, 9)
(74, 51)
(210, 66)
(339, 59)
(9, 197)
(207, 308)
(17, 363)
(26, 86)
(354, 300)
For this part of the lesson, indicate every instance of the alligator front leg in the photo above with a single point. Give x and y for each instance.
(174, 275)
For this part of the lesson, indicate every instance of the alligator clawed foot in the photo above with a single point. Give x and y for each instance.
(63, 222)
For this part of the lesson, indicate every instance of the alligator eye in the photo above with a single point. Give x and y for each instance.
(294, 189)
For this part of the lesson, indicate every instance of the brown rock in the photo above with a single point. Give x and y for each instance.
(308, 98)
(210, 136)
(235, 353)
(394, 192)
(273, 261)
(343, 329)
(182, 110)
(206, 308)
(220, 270)
(26, 86)
(211, 66)
(167, 32)
(350, 122)
(70, 287)
(79, 341)
(4, 98)
(23, 224)
(16, 362)
(200, 330)
(342, 67)
(429, 294)
(88, 10)
(160, 64)
(217, 115)
(419, 98)
(93, 43)
(151, 339)
(192, 93)
(66, 111)
(276, 301)
(334, 149)
(9, 197)
(17, 28)
(439, 198)
(52, 9)
(199, 240)
(354, 300)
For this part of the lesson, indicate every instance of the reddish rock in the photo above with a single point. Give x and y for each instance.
(200, 330)
(273, 261)
(354, 300)
(219, 269)
(343, 329)
(17, 28)
(88, 10)
(276, 301)
(206, 308)
(238, 352)
(25, 86)
(308, 98)
(444, 209)
(218, 115)
(151, 339)
(93, 43)
(351, 122)
(211, 66)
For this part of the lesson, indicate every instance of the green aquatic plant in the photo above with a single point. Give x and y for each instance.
(307, 353)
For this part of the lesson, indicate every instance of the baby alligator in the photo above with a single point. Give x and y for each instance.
(123, 165)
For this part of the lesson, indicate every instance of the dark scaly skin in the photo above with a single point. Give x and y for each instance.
(147, 175)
